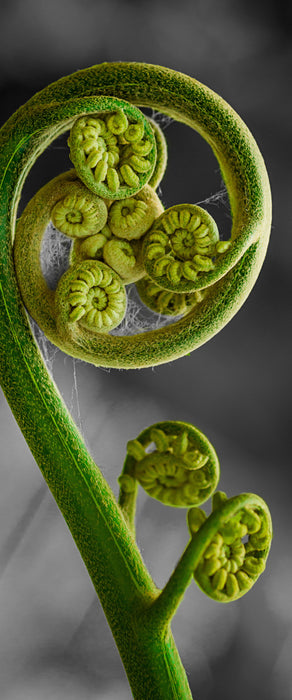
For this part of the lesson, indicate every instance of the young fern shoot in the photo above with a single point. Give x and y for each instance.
(108, 208)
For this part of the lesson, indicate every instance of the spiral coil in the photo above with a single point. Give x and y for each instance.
(114, 151)
(181, 468)
(235, 555)
(180, 245)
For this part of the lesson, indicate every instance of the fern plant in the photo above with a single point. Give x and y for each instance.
(108, 205)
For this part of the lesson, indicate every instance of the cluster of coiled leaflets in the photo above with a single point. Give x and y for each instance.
(175, 463)
(121, 234)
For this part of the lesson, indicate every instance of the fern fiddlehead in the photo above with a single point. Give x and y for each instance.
(181, 468)
(114, 152)
(228, 549)
(80, 213)
(227, 270)
(229, 567)
(180, 247)
(92, 294)
(113, 169)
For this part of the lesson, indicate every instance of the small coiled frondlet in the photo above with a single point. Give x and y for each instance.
(174, 462)
(80, 213)
(182, 243)
(132, 217)
(237, 538)
(91, 294)
(113, 150)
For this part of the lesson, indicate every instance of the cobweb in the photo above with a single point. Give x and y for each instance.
(54, 257)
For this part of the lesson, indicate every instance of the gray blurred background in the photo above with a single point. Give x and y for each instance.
(54, 640)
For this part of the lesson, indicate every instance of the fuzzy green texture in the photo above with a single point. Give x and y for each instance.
(80, 214)
(139, 616)
(161, 155)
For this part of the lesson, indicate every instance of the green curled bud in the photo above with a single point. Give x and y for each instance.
(100, 304)
(230, 564)
(130, 218)
(102, 153)
(80, 213)
(187, 249)
(135, 132)
(165, 471)
(124, 258)
(117, 122)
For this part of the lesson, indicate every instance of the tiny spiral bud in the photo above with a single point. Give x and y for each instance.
(80, 213)
(100, 304)
(135, 132)
(130, 218)
(124, 258)
(187, 249)
(164, 472)
(163, 301)
(230, 566)
(114, 150)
